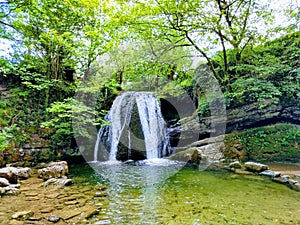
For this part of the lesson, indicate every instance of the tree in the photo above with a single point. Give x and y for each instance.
(206, 26)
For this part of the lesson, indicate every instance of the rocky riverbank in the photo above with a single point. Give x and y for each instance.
(209, 153)
(252, 168)
(47, 200)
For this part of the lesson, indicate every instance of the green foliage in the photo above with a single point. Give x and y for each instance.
(71, 119)
(250, 90)
(4, 137)
(279, 142)
(266, 72)
(145, 46)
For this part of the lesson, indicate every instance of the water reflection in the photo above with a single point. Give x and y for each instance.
(160, 193)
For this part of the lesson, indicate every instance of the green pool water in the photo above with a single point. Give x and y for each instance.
(178, 195)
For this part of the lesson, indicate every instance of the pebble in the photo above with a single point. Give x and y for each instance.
(53, 218)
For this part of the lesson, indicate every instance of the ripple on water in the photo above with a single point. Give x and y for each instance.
(160, 194)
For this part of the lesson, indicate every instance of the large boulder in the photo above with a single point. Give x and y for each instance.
(54, 170)
(255, 167)
(4, 182)
(190, 155)
(22, 172)
(10, 173)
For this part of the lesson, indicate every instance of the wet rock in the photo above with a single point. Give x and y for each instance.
(53, 195)
(140, 163)
(10, 174)
(235, 165)
(295, 186)
(4, 182)
(270, 173)
(32, 199)
(22, 215)
(281, 180)
(88, 211)
(255, 167)
(31, 194)
(101, 194)
(191, 155)
(101, 187)
(74, 202)
(47, 210)
(64, 181)
(35, 218)
(53, 218)
(130, 162)
(66, 215)
(54, 170)
(243, 172)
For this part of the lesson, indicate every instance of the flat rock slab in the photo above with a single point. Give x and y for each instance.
(88, 211)
(35, 198)
(243, 172)
(53, 196)
(47, 210)
(66, 215)
(270, 173)
(255, 167)
(31, 194)
(71, 202)
(22, 215)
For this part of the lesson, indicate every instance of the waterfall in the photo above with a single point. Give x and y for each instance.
(154, 143)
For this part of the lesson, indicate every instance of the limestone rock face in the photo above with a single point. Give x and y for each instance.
(54, 170)
(256, 167)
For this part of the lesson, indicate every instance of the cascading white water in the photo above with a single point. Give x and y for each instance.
(153, 126)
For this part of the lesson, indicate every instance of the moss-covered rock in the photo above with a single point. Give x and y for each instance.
(280, 142)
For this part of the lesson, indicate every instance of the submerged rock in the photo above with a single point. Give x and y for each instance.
(54, 170)
(53, 218)
(22, 215)
(255, 167)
